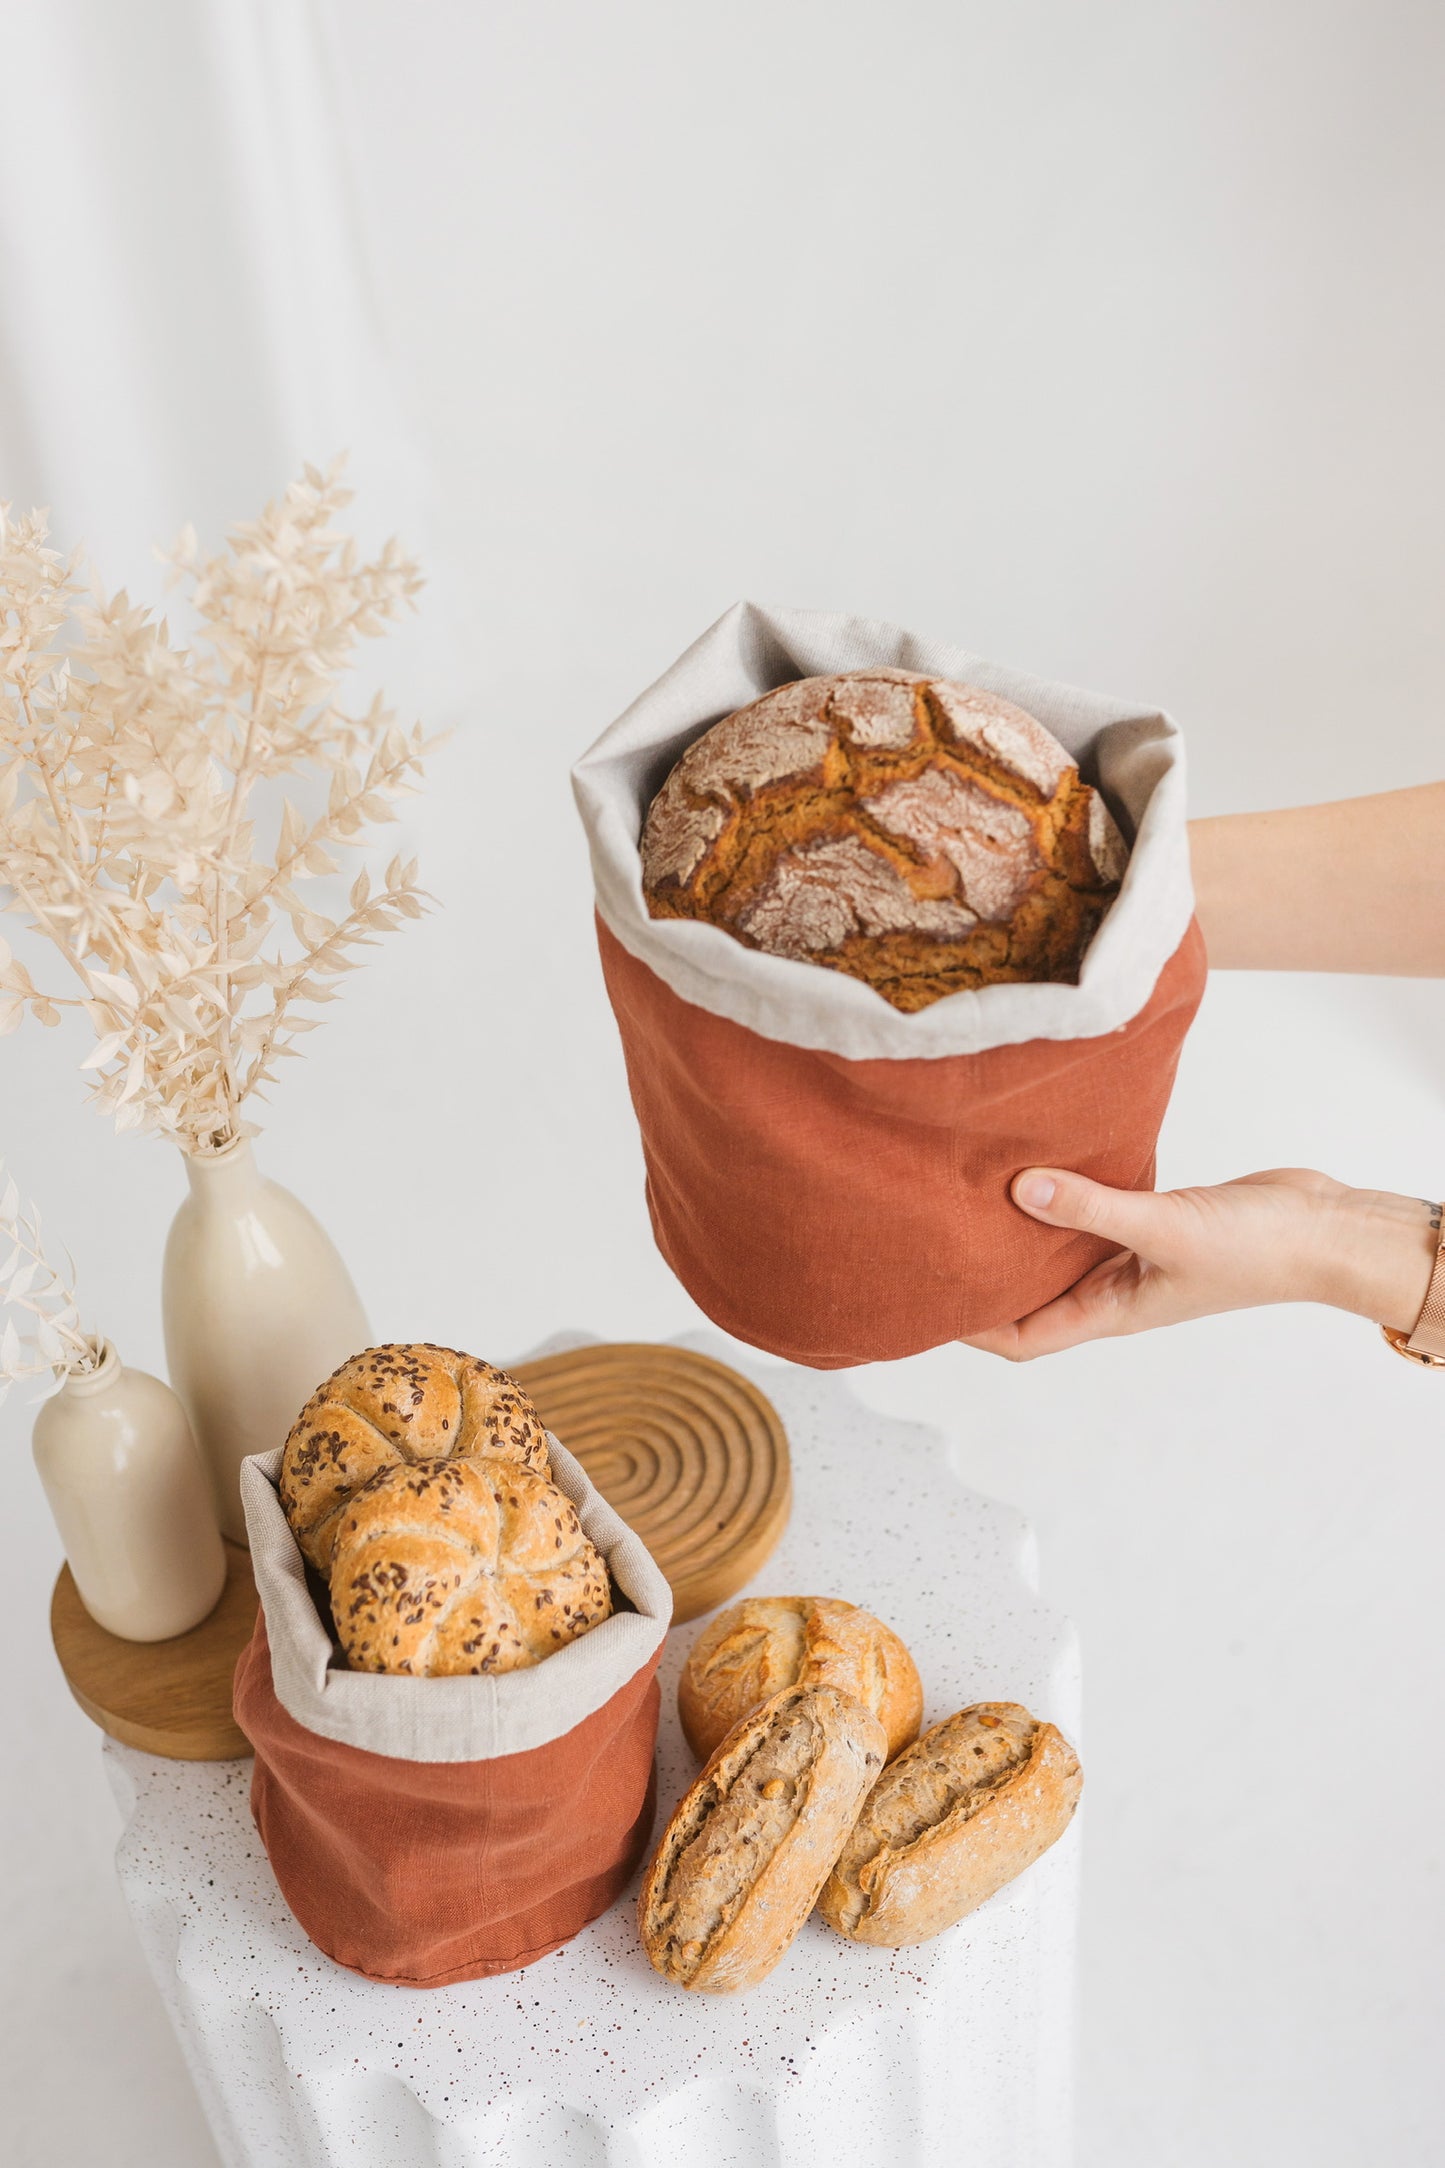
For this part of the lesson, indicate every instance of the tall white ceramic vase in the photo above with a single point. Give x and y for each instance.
(258, 1310)
(131, 1501)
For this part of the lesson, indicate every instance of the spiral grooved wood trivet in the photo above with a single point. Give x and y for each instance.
(691, 1454)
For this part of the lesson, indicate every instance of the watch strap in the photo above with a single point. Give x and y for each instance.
(1428, 1337)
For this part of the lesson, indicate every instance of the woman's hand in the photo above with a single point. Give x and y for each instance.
(1285, 1236)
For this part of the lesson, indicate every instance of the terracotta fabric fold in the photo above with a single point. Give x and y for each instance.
(428, 1830)
(423, 1873)
(835, 1211)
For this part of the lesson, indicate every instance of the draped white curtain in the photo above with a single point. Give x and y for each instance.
(185, 313)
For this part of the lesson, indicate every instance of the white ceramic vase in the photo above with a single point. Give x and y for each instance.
(131, 1500)
(258, 1310)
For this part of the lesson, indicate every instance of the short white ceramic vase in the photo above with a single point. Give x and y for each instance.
(131, 1500)
(258, 1311)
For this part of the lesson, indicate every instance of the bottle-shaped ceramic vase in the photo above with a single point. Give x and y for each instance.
(258, 1310)
(131, 1501)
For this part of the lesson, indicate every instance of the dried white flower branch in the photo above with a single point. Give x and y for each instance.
(127, 832)
(55, 1348)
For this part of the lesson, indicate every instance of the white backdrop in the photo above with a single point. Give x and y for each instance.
(1104, 339)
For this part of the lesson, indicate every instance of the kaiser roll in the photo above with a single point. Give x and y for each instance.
(919, 835)
(462, 1566)
(391, 1406)
(957, 1815)
(757, 1647)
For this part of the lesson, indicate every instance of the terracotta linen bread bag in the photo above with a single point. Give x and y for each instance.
(827, 1176)
(426, 1830)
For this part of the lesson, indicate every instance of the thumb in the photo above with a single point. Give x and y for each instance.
(1060, 1199)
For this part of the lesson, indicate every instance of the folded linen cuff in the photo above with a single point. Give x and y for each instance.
(451, 1719)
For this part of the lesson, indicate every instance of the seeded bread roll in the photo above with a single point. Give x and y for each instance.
(919, 835)
(390, 1407)
(957, 1815)
(462, 1566)
(742, 1861)
(757, 1647)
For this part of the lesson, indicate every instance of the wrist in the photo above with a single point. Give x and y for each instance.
(1378, 1256)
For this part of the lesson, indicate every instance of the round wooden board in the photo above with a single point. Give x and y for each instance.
(691, 1455)
(168, 1697)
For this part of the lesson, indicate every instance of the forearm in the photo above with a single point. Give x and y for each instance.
(1354, 886)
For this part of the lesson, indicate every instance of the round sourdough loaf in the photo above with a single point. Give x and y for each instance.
(389, 1407)
(919, 835)
(957, 1815)
(757, 1647)
(462, 1566)
(742, 1861)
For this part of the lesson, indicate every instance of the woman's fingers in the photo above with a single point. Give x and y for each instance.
(1134, 1218)
(1115, 1297)
(1119, 1295)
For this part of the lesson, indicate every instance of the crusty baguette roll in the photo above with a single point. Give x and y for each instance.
(462, 1566)
(742, 1861)
(916, 834)
(389, 1407)
(957, 1815)
(755, 1648)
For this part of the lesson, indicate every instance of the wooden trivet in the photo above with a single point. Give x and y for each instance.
(690, 1454)
(168, 1697)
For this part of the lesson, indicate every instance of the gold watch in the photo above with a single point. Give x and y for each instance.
(1426, 1344)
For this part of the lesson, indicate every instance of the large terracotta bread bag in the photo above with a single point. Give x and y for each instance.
(425, 1830)
(827, 1176)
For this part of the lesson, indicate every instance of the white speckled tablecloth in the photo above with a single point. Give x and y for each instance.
(954, 2053)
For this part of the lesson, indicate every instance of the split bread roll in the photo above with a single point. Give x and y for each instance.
(389, 1407)
(757, 1647)
(462, 1566)
(742, 1861)
(957, 1815)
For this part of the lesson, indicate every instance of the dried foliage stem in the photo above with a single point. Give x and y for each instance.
(55, 1347)
(130, 825)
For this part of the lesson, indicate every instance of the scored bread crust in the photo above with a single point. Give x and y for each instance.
(394, 1406)
(765, 1643)
(744, 1856)
(960, 1813)
(919, 835)
(457, 1566)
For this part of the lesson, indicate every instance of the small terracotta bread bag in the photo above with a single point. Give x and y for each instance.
(828, 1176)
(425, 1830)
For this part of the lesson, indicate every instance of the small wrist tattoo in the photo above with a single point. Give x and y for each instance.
(1434, 1212)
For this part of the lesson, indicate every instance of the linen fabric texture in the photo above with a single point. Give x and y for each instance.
(828, 1177)
(425, 1831)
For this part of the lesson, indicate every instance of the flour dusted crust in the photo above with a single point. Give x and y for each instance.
(389, 1407)
(758, 1647)
(462, 1566)
(919, 835)
(962, 1811)
(742, 1861)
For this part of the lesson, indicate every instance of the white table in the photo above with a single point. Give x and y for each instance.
(939, 2057)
